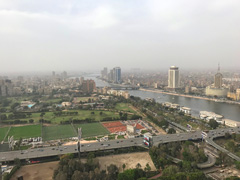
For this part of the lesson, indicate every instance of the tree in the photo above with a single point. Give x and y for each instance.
(13, 106)
(112, 172)
(147, 168)
(3, 117)
(213, 124)
(126, 175)
(124, 166)
(31, 121)
(227, 135)
(42, 114)
(120, 114)
(92, 112)
(29, 114)
(170, 170)
(101, 113)
(171, 131)
(138, 165)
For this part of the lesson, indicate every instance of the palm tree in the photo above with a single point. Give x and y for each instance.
(124, 166)
(138, 166)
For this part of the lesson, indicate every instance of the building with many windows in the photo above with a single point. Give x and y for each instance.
(173, 78)
(88, 86)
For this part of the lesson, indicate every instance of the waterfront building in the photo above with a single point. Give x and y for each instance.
(234, 95)
(207, 116)
(217, 88)
(231, 123)
(173, 77)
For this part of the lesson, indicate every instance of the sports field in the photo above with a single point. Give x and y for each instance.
(58, 132)
(3, 132)
(124, 107)
(92, 129)
(25, 131)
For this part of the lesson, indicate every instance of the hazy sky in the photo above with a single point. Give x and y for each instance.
(37, 35)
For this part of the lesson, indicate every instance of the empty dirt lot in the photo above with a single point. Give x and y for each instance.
(130, 160)
(44, 171)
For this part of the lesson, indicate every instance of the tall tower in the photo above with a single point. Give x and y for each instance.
(218, 78)
(117, 75)
(173, 77)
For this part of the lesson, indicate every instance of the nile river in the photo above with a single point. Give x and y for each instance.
(229, 111)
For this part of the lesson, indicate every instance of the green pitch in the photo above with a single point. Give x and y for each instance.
(124, 107)
(92, 129)
(25, 131)
(3, 132)
(58, 132)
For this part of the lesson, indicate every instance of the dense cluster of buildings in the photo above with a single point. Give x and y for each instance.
(114, 75)
(47, 85)
(110, 91)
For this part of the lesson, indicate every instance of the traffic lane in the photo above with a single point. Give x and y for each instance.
(177, 137)
(209, 163)
(58, 150)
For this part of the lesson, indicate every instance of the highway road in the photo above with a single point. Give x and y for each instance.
(220, 133)
(55, 150)
(114, 144)
(210, 162)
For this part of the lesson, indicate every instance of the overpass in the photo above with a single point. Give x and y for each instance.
(116, 144)
(220, 133)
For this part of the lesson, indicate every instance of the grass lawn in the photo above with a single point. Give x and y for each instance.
(82, 114)
(25, 131)
(120, 137)
(58, 132)
(124, 107)
(3, 132)
(92, 129)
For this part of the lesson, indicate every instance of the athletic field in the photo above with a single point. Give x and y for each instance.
(58, 132)
(3, 132)
(25, 131)
(92, 129)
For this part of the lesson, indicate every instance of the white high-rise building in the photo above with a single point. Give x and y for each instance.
(173, 77)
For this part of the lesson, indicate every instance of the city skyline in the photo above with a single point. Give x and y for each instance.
(42, 36)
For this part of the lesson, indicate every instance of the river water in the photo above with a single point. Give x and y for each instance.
(229, 111)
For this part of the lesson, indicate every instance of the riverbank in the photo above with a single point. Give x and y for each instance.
(189, 96)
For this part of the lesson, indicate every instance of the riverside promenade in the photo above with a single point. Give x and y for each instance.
(189, 96)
